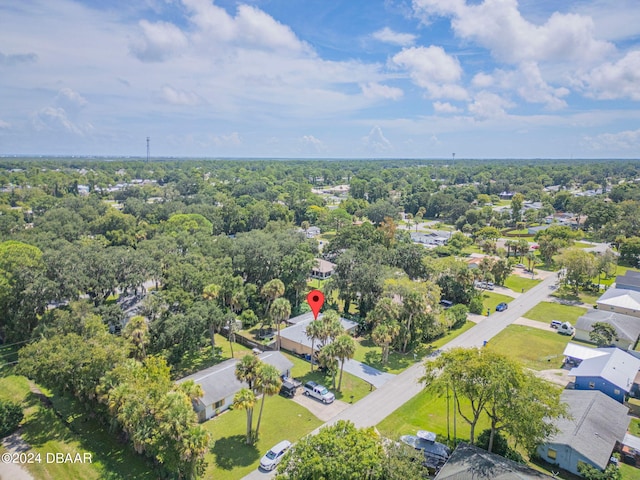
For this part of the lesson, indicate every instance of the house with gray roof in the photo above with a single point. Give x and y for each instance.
(620, 300)
(294, 338)
(219, 383)
(469, 462)
(612, 374)
(590, 432)
(627, 327)
(629, 281)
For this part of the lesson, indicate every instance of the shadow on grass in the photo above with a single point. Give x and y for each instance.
(232, 452)
(397, 361)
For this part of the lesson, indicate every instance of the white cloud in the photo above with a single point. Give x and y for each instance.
(56, 119)
(158, 41)
(626, 140)
(619, 79)
(311, 142)
(498, 26)
(487, 105)
(482, 80)
(231, 139)
(70, 100)
(179, 97)
(432, 69)
(445, 107)
(4, 125)
(376, 142)
(387, 35)
(376, 90)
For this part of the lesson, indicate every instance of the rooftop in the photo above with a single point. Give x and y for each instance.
(627, 326)
(617, 367)
(594, 425)
(621, 297)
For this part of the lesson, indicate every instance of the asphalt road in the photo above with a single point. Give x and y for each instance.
(379, 404)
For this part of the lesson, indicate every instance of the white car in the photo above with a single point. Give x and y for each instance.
(272, 458)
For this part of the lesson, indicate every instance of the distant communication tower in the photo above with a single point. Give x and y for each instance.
(147, 149)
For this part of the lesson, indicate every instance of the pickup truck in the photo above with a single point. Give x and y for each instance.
(319, 392)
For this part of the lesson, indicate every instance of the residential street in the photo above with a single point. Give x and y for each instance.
(379, 404)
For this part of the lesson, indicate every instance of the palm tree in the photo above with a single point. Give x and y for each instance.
(313, 331)
(531, 260)
(271, 290)
(232, 328)
(280, 312)
(247, 370)
(327, 359)
(343, 348)
(331, 327)
(137, 330)
(267, 383)
(245, 399)
(383, 335)
(194, 447)
(191, 389)
(209, 293)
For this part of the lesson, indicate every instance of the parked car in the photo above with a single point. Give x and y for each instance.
(520, 265)
(446, 303)
(319, 392)
(435, 453)
(566, 329)
(289, 387)
(490, 286)
(501, 307)
(272, 458)
(555, 324)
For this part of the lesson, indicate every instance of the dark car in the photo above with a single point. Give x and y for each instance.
(289, 387)
(501, 307)
(446, 303)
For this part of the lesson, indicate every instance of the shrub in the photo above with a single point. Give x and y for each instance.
(10, 417)
(475, 305)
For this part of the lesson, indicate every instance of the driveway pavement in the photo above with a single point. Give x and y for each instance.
(319, 409)
(367, 373)
(14, 471)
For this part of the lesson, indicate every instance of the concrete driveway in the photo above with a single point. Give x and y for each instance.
(366, 372)
(322, 411)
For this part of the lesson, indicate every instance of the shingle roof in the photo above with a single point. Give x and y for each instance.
(219, 382)
(468, 462)
(594, 425)
(621, 297)
(296, 332)
(323, 266)
(627, 326)
(618, 368)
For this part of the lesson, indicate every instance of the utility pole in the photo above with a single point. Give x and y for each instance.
(147, 149)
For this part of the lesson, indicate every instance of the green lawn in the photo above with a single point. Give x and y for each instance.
(351, 385)
(620, 270)
(629, 472)
(427, 411)
(192, 362)
(547, 311)
(634, 427)
(535, 348)
(74, 431)
(520, 284)
(491, 299)
(230, 458)
(581, 245)
(369, 353)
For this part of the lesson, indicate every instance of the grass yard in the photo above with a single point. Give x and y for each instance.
(369, 353)
(46, 432)
(520, 284)
(547, 311)
(230, 458)
(351, 385)
(427, 411)
(629, 472)
(446, 338)
(192, 362)
(620, 270)
(491, 299)
(534, 348)
(566, 293)
(634, 427)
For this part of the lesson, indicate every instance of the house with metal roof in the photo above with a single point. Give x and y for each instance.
(219, 383)
(469, 462)
(627, 327)
(294, 338)
(589, 434)
(620, 300)
(574, 354)
(612, 374)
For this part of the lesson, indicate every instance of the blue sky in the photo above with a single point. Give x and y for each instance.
(321, 78)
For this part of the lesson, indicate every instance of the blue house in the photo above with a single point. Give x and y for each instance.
(589, 434)
(612, 374)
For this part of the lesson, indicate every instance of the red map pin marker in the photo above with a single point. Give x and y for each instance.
(315, 299)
